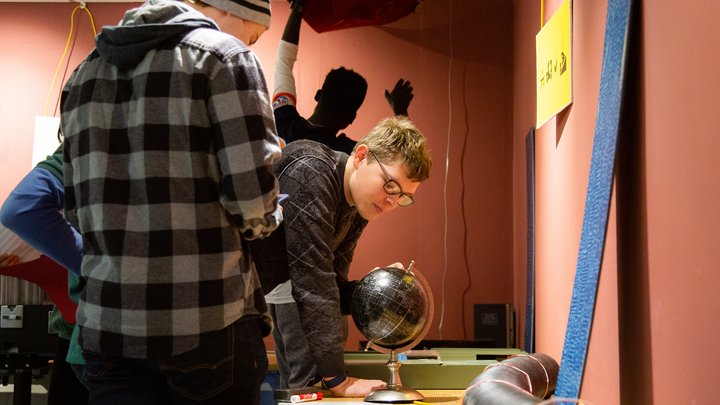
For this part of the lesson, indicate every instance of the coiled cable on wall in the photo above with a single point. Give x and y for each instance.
(447, 166)
(81, 6)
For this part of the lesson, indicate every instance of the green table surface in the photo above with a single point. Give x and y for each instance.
(454, 368)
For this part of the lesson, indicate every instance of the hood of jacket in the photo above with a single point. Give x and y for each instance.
(148, 27)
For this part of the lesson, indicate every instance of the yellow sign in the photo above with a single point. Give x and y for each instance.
(553, 49)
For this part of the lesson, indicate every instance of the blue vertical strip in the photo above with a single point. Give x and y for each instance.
(597, 201)
(529, 345)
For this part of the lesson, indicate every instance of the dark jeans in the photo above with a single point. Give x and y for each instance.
(292, 350)
(64, 386)
(227, 368)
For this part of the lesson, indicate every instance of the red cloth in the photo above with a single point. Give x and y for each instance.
(331, 15)
(51, 277)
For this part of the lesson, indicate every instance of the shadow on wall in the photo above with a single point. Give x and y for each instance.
(482, 31)
(636, 376)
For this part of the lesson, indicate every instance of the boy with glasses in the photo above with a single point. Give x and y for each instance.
(332, 196)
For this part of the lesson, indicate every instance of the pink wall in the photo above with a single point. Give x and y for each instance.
(460, 231)
(33, 37)
(653, 338)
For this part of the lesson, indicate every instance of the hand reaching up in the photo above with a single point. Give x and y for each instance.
(400, 96)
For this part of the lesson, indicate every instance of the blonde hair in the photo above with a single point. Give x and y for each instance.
(397, 138)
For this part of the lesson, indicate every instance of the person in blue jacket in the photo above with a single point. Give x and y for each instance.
(33, 211)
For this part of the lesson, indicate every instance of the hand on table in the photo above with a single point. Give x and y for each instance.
(356, 387)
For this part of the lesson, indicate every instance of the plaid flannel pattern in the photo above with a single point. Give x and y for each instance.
(168, 168)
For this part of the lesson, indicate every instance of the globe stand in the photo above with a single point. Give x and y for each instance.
(394, 391)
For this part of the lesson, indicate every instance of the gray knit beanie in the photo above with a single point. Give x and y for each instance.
(252, 10)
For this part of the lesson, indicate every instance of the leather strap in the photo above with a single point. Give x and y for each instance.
(335, 381)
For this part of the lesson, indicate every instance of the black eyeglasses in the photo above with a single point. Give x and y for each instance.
(392, 187)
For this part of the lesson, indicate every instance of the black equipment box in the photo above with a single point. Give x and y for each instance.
(495, 323)
(25, 329)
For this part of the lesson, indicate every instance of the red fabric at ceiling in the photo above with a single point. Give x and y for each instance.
(332, 15)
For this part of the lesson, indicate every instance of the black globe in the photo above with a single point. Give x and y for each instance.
(390, 307)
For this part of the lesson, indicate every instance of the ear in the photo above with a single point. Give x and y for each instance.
(360, 154)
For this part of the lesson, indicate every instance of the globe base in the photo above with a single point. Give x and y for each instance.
(394, 395)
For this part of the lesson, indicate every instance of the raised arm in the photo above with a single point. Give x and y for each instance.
(285, 92)
(400, 96)
(291, 33)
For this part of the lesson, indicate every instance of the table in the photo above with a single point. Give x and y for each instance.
(442, 380)
(453, 370)
(445, 397)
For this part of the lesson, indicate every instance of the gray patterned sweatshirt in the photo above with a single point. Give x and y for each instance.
(322, 231)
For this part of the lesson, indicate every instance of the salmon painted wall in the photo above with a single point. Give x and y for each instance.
(653, 339)
(458, 56)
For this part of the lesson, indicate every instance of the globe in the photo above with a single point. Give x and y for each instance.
(390, 307)
(393, 309)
